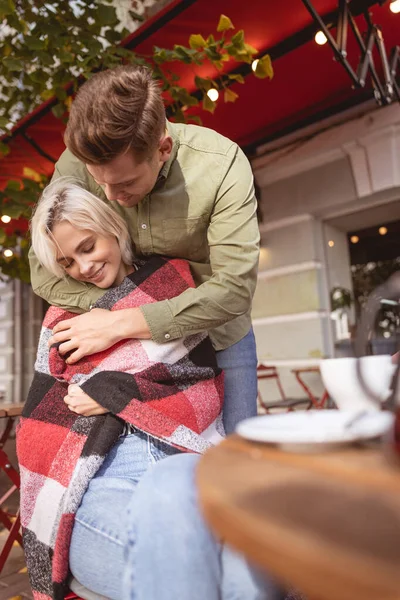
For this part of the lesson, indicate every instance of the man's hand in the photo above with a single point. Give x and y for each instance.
(82, 404)
(97, 330)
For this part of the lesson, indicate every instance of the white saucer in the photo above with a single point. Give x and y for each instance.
(315, 430)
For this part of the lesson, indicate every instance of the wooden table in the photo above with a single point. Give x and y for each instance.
(328, 523)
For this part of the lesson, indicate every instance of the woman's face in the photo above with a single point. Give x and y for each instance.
(88, 256)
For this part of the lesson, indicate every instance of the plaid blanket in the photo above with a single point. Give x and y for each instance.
(172, 391)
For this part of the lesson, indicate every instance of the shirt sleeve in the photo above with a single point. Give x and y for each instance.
(66, 293)
(233, 238)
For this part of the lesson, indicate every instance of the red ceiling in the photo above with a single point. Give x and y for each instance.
(307, 80)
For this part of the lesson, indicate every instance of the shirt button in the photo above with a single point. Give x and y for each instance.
(144, 226)
(167, 336)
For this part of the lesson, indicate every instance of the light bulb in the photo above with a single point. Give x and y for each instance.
(213, 94)
(320, 38)
(6, 219)
(8, 253)
(395, 6)
(354, 239)
(382, 230)
(254, 64)
(331, 243)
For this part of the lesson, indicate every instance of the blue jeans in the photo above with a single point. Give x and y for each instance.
(139, 533)
(240, 365)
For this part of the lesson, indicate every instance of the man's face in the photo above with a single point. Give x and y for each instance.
(127, 180)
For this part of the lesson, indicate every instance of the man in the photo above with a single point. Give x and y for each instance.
(184, 191)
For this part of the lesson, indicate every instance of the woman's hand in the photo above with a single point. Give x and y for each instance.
(97, 330)
(82, 404)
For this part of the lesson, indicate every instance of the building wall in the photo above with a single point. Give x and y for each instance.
(6, 340)
(302, 188)
(20, 321)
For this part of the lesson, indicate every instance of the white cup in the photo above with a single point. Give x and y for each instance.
(341, 381)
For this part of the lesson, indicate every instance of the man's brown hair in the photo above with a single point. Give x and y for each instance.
(115, 111)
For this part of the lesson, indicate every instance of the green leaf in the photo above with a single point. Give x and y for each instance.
(14, 211)
(58, 110)
(13, 184)
(4, 149)
(17, 24)
(236, 77)
(238, 38)
(203, 84)
(264, 68)
(224, 24)
(112, 36)
(38, 76)
(65, 56)
(196, 41)
(212, 53)
(4, 122)
(47, 94)
(230, 95)
(94, 46)
(61, 94)
(34, 43)
(208, 104)
(179, 116)
(7, 7)
(184, 54)
(46, 58)
(135, 16)
(13, 64)
(195, 119)
(52, 28)
(181, 95)
(106, 15)
(250, 49)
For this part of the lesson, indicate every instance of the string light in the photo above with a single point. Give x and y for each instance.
(395, 6)
(331, 243)
(382, 230)
(254, 64)
(8, 253)
(320, 38)
(213, 94)
(6, 219)
(354, 239)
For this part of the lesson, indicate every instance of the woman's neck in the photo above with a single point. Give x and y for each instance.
(124, 270)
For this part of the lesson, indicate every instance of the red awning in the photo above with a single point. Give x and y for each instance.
(308, 83)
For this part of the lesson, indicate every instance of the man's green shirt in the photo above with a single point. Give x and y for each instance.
(202, 209)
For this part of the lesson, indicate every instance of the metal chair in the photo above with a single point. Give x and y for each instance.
(10, 521)
(288, 404)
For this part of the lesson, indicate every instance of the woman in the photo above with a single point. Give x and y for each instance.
(88, 493)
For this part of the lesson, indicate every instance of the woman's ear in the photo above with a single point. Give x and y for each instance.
(165, 148)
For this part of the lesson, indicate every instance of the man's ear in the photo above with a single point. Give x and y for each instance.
(165, 148)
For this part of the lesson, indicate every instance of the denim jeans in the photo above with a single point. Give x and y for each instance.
(139, 533)
(239, 362)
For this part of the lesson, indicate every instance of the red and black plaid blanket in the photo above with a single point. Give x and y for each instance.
(172, 391)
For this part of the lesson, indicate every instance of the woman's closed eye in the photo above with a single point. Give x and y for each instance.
(88, 250)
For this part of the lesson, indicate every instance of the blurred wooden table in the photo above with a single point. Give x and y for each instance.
(328, 524)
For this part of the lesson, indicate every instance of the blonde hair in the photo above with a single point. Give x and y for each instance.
(116, 111)
(65, 200)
